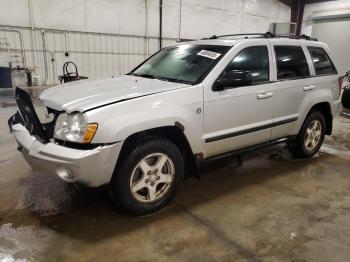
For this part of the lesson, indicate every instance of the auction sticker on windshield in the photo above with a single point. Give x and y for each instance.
(209, 54)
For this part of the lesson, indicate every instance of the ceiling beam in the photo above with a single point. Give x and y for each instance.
(286, 2)
(290, 2)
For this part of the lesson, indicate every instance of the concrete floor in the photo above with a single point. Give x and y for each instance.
(271, 208)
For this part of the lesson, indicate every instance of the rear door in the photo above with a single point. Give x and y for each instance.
(240, 116)
(325, 74)
(292, 79)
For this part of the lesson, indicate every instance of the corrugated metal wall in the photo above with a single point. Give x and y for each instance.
(97, 55)
(113, 52)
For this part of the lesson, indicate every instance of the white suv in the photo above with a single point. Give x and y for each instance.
(141, 132)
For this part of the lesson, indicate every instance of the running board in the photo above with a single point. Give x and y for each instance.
(239, 152)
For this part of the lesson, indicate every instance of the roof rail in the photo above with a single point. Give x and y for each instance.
(264, 35)
(306, 37)
(220, 36)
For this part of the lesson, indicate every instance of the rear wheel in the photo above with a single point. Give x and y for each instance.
(148, 177)
(311, 136)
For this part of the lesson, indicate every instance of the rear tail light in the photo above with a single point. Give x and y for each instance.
(340, 82)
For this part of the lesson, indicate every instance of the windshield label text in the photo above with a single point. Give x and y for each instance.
(209, 54)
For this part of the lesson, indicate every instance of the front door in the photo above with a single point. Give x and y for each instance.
(240, 115)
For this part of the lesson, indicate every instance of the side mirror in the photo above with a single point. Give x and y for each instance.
(232, 78)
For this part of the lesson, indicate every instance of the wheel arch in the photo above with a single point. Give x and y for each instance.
(173, 133)
(326, 110)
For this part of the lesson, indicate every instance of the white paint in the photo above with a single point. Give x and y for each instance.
(199, 18)
(155, 103)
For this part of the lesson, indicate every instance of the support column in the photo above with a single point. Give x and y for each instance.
(297, 13)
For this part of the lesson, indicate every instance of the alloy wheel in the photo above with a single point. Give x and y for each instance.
(152, 177)
(313, 135)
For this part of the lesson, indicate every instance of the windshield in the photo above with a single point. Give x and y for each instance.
(184, 63)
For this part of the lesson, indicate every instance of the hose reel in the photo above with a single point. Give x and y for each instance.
(70, 76)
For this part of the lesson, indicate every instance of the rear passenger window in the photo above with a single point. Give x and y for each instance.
(291, 62)
(322, 63)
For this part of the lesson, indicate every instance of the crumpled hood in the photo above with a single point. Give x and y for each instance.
(86, 94)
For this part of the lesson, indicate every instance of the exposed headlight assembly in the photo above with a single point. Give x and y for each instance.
(73, 127)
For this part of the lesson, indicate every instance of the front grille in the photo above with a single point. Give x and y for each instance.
(29, 117)
(49, 127)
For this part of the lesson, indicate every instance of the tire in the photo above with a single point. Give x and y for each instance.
(139, 171)
(301, 147)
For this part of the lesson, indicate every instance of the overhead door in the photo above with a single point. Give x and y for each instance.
(336, 33)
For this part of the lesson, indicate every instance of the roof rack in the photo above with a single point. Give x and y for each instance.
(265, 35)
(247, 34)
(305, 37)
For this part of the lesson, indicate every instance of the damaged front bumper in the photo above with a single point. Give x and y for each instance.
(92, 167)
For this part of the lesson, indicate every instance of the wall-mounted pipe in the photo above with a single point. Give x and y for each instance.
(7, 49)
(84, 32)
(160, 23)
(60, 32)
(79, 52)
(45, 57)
(180, 19)
(43, 36)
(2, 28)
(53, 56)
(33, 38)
(53, 60)
(146, 28)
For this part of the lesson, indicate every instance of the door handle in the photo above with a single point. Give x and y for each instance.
(308, 88)
(265, 95)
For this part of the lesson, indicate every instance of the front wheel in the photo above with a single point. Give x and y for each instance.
(148, 177)
(310, 137)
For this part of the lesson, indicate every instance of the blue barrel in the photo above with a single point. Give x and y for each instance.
(5, 77)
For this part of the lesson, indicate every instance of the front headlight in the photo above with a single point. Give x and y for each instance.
(73, 127)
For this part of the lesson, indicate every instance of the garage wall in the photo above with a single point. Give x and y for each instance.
(330, 23)
(319, 8)
(106, 37)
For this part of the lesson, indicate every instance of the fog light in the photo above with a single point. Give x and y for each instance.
(64, 173)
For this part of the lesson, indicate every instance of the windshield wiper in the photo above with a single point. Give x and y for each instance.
(143, 75)
(178, 81)
(162, 78)
(150, 76)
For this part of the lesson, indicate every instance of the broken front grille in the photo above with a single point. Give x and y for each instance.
(28, 117)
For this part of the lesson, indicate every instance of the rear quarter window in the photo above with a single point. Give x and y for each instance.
(322, 63)
(291, 62)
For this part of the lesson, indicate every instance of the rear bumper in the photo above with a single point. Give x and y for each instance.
(93, 167)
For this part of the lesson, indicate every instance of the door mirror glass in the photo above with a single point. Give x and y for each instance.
(232, 78)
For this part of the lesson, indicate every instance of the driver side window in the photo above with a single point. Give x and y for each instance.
(249, 67)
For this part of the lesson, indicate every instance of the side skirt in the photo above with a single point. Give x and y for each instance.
(242, 151)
